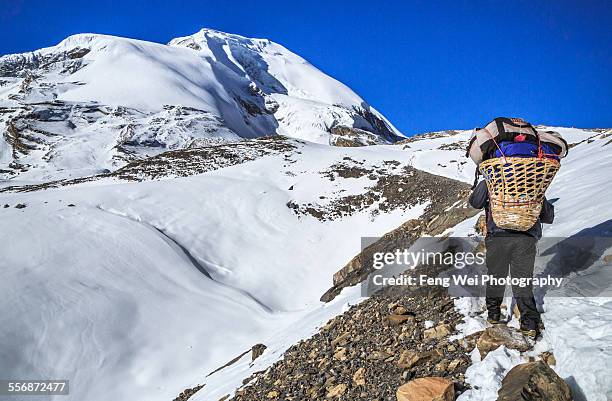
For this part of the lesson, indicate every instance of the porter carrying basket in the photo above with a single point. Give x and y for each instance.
(516, 188)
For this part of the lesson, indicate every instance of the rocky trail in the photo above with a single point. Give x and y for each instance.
(401, 343)
(370, 351)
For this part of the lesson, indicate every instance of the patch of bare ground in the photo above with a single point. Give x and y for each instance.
(182, 163)
(393, 187)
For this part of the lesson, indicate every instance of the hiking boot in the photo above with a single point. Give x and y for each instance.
(532, 334)
(494, 318)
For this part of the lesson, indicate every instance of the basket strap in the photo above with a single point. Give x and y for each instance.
(540, 151)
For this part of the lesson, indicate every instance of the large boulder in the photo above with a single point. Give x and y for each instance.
(533, 381)
(257, 350)
(427, 389)
(498, 335)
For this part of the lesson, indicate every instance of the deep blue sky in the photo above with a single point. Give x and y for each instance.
(426, 65)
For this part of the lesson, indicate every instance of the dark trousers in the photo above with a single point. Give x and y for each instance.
(514, 255)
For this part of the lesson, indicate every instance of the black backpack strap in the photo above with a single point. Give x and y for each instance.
(476, 175)
(501, 131)
(505, 135)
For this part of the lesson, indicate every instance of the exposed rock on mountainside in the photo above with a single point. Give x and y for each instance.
(448, 207)
(348, 136)
(427, 389)
(393, 186)
(534, 381)
(428, 136)
(23, 65)
(187, 393)
(498, 335)
(182, 163)
(367, 353)
(40, 135)
(186, 162)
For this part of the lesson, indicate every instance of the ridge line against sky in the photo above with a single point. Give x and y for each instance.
(425, 65)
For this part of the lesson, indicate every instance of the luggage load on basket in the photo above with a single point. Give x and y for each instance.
(518, 163)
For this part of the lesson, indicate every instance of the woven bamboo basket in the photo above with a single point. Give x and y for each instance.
(516, 189)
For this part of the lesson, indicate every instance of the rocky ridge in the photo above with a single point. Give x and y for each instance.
(182, 162)
(369, 351)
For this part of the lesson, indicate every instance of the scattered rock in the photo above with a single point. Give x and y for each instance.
(272, 394)
(481, 225)
(379, 355)
(534, 381)
(396, 320)
(257, 350)
(410, 358)
(359, 377)
(439, 331)
(340, 354)
(336, 391)
(6, 205)
(498, 335)
(356, 355)
(344, 136)
(447, 208)
(341, 340)
(454, 365)
(441, 366)
(549, 358)
(20, 206)
(181, 162)
(400, 310)
(71, 205)
(427, 389)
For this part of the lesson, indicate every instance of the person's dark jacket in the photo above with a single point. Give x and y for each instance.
(480, 199)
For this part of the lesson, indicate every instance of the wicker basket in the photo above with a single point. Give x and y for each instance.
(516, 189)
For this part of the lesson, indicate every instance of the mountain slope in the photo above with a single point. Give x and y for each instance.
(159, 276)
(182, 270)
(176, 234)
(93, 102)
(577, 316)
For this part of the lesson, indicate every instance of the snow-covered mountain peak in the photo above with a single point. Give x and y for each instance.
(292, 75)
(128, 99)
(89, 40)
(201, 35)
